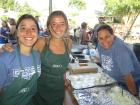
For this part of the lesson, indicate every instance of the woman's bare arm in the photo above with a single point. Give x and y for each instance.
(40, 44)
(69, 43)
(129, 80)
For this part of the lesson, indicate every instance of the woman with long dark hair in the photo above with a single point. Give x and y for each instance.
(20, 69)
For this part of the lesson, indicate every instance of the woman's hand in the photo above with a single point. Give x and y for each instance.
(67, 83)
(7, 47)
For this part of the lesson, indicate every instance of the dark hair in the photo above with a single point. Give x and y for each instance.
(106, 27)
(27, 16)
(57, 13)
(83, 25)
(5, 23)
(12, 21)
(36, 16)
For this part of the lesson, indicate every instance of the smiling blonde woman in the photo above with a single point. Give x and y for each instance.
(55, 58)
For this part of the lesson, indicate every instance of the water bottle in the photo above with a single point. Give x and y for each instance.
(92, 52)
(77, 61)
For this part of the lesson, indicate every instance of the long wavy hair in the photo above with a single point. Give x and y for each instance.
(58, 13)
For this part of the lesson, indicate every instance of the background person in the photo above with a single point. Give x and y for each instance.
(94, 31)
(4, 31)
(83, 34)
(12, 34)
(40, 25)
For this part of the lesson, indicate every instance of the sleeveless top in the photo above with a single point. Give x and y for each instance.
(51, 82)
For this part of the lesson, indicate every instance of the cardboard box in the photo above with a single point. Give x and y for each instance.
(82, 68)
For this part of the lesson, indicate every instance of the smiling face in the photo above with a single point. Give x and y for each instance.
(57, 27)
(105, 38)
(27, 33)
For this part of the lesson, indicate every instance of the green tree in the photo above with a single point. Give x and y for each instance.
(27, 9)
(126, 10)
(79, 4)
(8, 4)
(13, 5)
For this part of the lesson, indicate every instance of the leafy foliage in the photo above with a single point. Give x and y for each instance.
(122, 7)
(79, 4)
(7, 4)
(26, 9)
(127, 10)
(13, 5)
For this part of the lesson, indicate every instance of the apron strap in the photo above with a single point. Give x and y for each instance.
(66, 43)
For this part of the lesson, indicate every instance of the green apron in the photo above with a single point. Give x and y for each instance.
(20, 91)
(51, 82)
